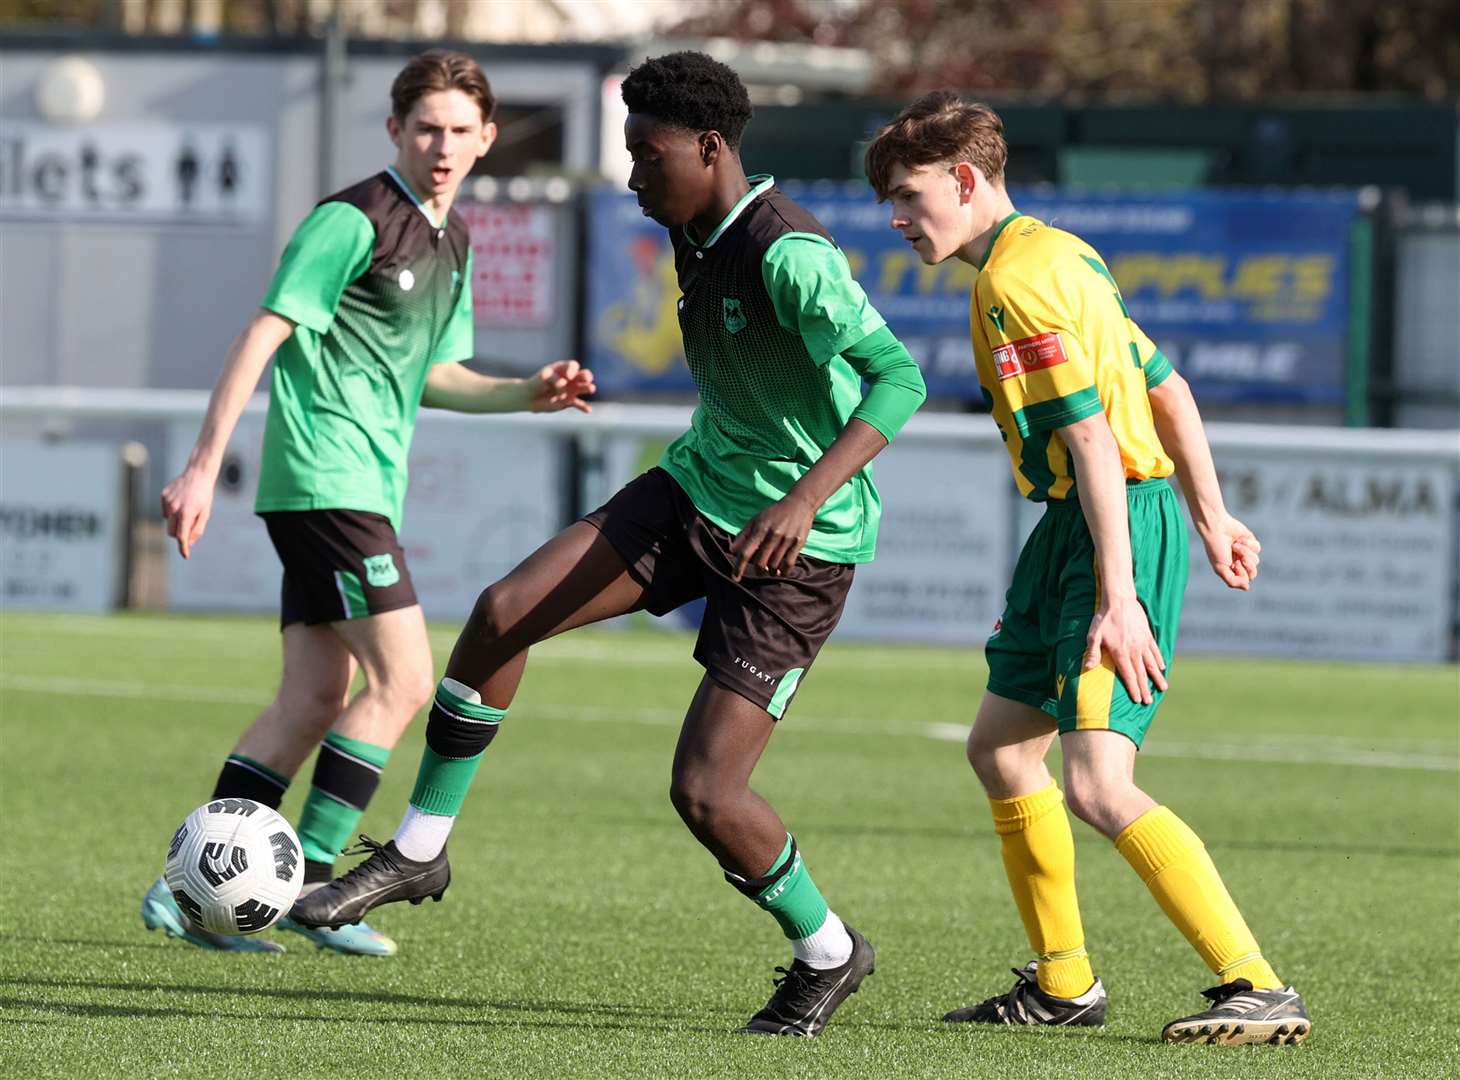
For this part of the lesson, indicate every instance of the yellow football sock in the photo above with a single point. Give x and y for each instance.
(1175, 866)
(1039, 857)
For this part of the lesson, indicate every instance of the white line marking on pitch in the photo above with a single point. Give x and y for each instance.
(1277, 750)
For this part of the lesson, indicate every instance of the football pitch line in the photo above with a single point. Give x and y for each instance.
(675, 648)
(1269, 749)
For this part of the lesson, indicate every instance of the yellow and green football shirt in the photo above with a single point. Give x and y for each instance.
(1054, 343)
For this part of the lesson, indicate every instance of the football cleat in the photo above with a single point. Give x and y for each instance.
(385, 877)
(160, 912)
(1241, 1014)
(805, 997)
(1027, 1004)
(357, 940)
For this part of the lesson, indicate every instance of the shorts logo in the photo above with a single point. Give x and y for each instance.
(380, 571)
(407, 280)
(1059, 686)
(1029, 354)
(734, 315)
(763, 676)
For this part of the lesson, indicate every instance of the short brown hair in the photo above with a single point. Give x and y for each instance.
(938, 127)
(440, 70)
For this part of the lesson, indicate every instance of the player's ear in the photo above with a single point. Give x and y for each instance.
(392, 128)
(489, 136)
(968, 180)
(711, 144)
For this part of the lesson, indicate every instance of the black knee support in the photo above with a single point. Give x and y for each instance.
(454, 736)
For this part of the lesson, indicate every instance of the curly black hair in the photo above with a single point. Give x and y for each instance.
(689, 90)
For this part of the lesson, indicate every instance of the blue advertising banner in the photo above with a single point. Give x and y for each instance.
(1246, 293)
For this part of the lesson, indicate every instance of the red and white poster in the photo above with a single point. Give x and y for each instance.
(512, 263)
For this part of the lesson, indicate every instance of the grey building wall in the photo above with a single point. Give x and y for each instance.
(155, 305)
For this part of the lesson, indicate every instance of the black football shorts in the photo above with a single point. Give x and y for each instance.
(338, 564)
(759, 635)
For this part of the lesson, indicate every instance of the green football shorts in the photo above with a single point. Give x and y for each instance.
(1037, 649)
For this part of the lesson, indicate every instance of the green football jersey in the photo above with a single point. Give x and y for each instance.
(378, 292)
(768, 306)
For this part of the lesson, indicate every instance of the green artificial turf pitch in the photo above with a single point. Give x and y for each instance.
(586, 934)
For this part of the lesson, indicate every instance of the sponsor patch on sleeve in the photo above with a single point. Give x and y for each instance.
(1029, 354)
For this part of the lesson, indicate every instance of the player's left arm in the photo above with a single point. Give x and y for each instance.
(817, 298)
(452, 385)
(1231, 547)
(561, 385)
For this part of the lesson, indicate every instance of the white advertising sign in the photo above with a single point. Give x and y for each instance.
(60, 526)
(943, 551)
(512, 263)
(480, 500)
(1358, 559)
(184, 174)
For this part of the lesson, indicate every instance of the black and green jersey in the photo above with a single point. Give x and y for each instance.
(378, 292)
(769, 305)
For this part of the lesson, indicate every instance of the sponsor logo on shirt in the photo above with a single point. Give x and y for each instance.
(734, 315)
(380, 570)
(996, 316)
(407, 281)
(1029, 354)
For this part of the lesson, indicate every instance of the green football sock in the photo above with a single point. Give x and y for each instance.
(789, 894)
(346, 775)
(457, 735)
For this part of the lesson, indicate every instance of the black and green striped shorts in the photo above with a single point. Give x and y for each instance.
(338, 564)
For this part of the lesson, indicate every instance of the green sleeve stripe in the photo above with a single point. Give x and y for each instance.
(1048, 415)
(1156, 369)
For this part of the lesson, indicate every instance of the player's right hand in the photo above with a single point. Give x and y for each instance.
(187, 503)
(1120, 638)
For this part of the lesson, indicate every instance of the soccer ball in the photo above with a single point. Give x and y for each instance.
(234, 866)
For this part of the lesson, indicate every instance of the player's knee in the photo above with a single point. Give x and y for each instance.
(313, 709)
(417, 690)
(1090, 800)
(404, 687)
(998, 765)
(700, 803)
(982, 754)
(492, 615)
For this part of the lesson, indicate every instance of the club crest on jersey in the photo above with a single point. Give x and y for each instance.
(996, 316)
(1029, 354)
(734, 315)
(380, 570)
